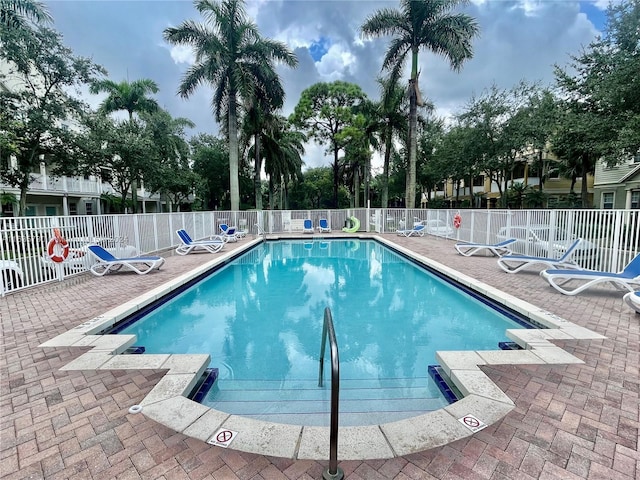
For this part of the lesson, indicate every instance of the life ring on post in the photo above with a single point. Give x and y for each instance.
(457, 220)
(58, 248)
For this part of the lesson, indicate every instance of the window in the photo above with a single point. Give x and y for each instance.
(73, 209)
(635, 199)
(478, 181)
(607, 200)
(50, 211)
(7, 210)
(88, 208)
(30, 211)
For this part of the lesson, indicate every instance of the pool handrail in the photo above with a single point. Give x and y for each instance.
(333, 472)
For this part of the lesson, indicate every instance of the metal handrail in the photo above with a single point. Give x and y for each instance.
(261, 232)
(333, 472)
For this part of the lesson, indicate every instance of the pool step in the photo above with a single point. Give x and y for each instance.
(303, 402)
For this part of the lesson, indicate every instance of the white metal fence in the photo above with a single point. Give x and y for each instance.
(611, 238)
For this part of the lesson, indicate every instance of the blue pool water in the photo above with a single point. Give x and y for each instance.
(260, 318)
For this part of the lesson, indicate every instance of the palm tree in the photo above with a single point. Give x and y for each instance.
(259, 120)
(283, 150)
(393, 117)
(421, 24)
(232, 57)
(17, 13)
(129, 96)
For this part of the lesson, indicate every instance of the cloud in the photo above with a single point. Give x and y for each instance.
(519, 39)
(183, 54)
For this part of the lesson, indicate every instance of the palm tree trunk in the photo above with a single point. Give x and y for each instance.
(385, 169)
(336, 176)
(234, 186)
(257, 185)
(367, 175)
(356, 186)
(410, 195)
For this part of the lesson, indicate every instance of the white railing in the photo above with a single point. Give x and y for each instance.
(611, 238)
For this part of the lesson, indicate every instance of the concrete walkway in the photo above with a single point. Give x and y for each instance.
(570, 421)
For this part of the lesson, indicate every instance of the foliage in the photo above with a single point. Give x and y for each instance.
(236, 61)
(20, 14)
(210, 156)
(118, 151)
(421, 24)
(171, 175)
(314, 190)
(392, 114)
(41, 109)
(323, 112)
(129, 96)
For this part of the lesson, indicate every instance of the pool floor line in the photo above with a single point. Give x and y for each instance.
(483, 401)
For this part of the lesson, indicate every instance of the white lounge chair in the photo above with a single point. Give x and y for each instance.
(417, 230)
(633, 300)
(515, 263)
(323, 226)
(229, 234)
(628, 279)
(187, 245)
(307, 226)
(106, 262)
(497, 249)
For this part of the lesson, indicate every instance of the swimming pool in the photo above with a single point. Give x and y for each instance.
(260, 318)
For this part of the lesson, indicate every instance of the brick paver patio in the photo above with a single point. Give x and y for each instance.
(570, 422)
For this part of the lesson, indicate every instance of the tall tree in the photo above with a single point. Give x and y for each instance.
(323, 112)
(130, 96)
(283, 150)
(260, 120)
(40, 109)
(211, 160)
(235, 60)
(393, 114)
(172, 175)
(421, 24)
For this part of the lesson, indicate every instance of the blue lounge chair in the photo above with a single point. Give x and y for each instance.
(307, 226)
(417, 230)
(106, 262)
(214, 245)
(228, 234)
(323, 226)
(633, 300)
(515, 263)
(497, 249)
(628, 278)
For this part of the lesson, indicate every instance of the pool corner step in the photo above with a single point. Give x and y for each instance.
(435, 371)
(204, 384)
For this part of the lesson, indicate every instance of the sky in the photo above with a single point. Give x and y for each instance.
(519, 40)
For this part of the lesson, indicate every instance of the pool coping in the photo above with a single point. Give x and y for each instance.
(483, 403)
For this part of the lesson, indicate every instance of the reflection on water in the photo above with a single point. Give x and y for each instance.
(261, 316)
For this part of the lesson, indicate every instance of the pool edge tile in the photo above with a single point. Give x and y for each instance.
(354, 443)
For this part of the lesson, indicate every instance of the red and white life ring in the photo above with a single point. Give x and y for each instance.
(457, 220)
(58, 248)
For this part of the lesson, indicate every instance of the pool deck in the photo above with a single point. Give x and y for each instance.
(573, 420)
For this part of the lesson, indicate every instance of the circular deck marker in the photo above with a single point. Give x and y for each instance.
(135, 409)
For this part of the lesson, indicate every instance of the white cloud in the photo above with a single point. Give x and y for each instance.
(183, 54)
(520, 39)
(335, 63)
